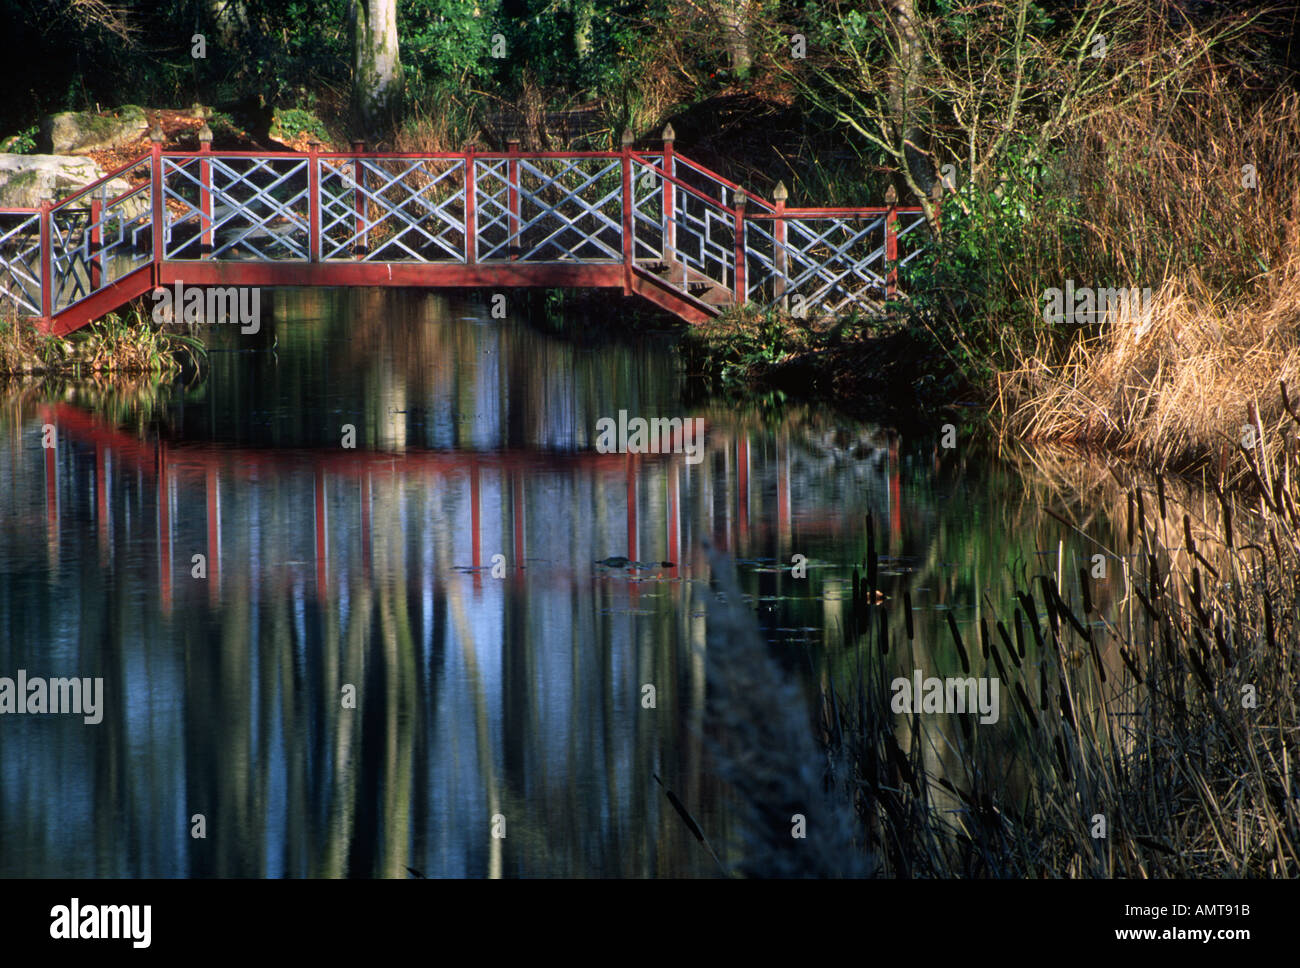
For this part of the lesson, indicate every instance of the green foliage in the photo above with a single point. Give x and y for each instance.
(542, 43)
(975, 295)
(297, 121)
(447, 39)
(22, 143)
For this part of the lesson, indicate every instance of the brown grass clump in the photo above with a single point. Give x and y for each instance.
(1194, 387)
(1197, 198)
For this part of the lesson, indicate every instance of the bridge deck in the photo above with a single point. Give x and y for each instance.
(653, 223)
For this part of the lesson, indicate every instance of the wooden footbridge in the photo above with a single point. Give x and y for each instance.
(651, 222)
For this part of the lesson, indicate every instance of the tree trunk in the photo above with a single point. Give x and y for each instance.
(230, 18)
(376, 64)
(733, 17)
(902, 91)
(583, 14)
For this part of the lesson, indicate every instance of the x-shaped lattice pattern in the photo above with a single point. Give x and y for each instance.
(69, 236)
(563, 214)
(820, 262)
(267, 226)
(833, 263)
(413, 222)
(913, 223)
(20, 263)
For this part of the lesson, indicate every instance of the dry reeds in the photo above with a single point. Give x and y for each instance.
(1193, 387)
(1197, 198)
(1150, 735)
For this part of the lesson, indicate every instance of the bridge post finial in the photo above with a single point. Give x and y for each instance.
(779, 193)
(205, 137)
(628, 138)
(156, 134)
(891, 195)
(669, 135)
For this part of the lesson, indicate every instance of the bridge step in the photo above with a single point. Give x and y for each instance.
(698, 285)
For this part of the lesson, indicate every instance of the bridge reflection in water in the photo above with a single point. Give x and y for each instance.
(326, 567)
(343, 486)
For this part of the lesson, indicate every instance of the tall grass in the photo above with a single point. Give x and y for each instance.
(122, 342)
(1198, 198)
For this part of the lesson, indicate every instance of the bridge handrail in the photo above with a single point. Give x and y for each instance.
(683, 185)
(709, 173)
(102, 181)
(866, 211)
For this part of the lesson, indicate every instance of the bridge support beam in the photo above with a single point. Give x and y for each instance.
(739, 295)
(891, 242)
(512, 173)
(670, 199)
(205, 191)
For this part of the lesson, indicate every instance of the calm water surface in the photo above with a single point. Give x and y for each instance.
(488, 689)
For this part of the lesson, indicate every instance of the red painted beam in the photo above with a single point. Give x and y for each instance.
(350, 273)
(112, 296)
(196, 459)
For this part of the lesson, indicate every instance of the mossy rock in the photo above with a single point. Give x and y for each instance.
(26, 179)
(73, 132)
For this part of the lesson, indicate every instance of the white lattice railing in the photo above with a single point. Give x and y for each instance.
(20, 261)
(825, 264)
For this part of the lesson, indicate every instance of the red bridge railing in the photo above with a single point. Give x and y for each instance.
(651, 221)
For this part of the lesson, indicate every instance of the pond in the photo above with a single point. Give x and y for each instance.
(358, 602)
